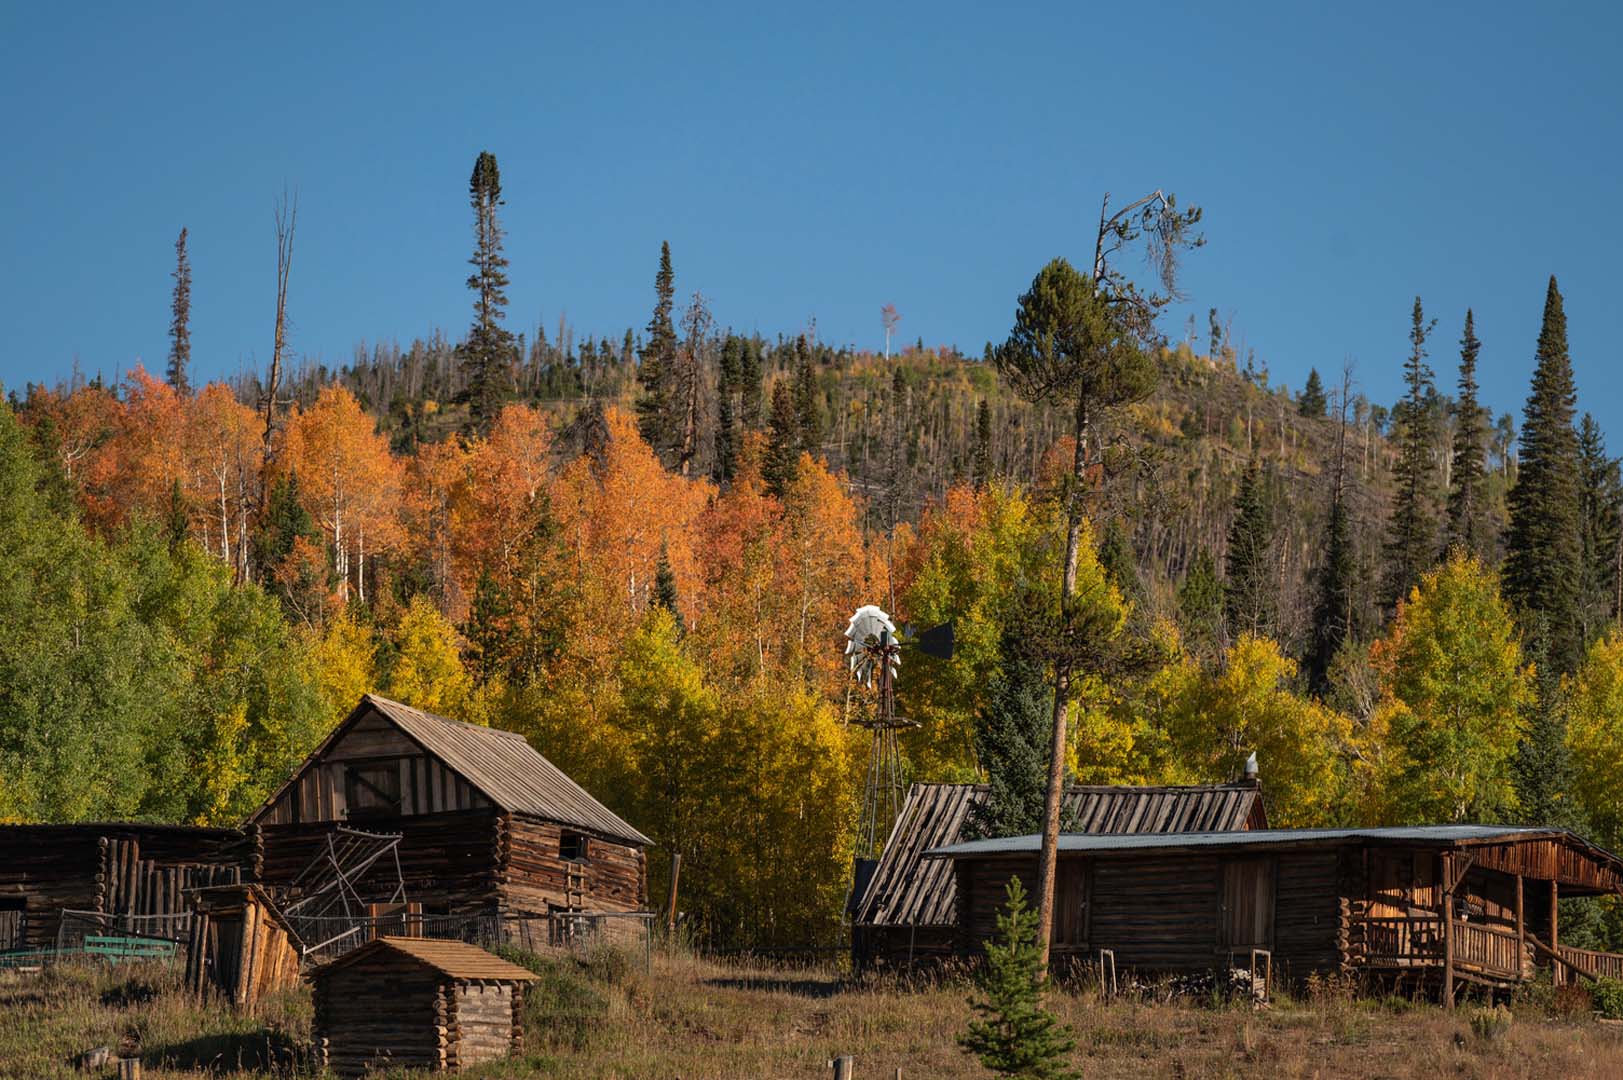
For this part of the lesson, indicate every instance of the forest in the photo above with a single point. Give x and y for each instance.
(639, 550)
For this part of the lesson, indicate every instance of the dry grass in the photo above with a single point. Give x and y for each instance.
(700, 1020)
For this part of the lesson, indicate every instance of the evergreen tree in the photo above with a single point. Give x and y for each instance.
(1312, 401)
(1121, 562)
(1601, 515)
(806, 398)
(1334, 609)
(657, 405)
(1468, 527)
(1544, 545)
(180, 323)
(487, 354)
(1015, 1035)
(1200, 606)
(1411, 543)
(665, 589)
(751, 404)
(284, 521)
(983, 444)
(1010, 737)
(729, 436)
(783, 441)
(1250, 593)
(1544, 774)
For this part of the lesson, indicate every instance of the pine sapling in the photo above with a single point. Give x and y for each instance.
(1015, 1035)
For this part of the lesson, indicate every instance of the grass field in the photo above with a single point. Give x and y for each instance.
(604, 1016)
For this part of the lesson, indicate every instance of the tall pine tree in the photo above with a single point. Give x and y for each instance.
(1337, 602)
(1411, 542)
(1544, 544)
(658, 404)
(1601, 509)
(180, 322)
(982, 463)
(487, 359)
(1468, 528)
(1312, 401)
(1010, 739)
(1251, 591)
(729, 435)
(806, 398)
(782, 461)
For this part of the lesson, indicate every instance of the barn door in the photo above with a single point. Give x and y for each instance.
(1071, 904)
(13, 923)
(1245, 919)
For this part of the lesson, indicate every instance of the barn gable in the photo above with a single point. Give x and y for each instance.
(389, 759)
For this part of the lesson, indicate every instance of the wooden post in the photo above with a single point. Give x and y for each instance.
(129, 1069)
(844, 1066)
(1558, 973)
(670, 900)
(1521, 928)
(1448, 931)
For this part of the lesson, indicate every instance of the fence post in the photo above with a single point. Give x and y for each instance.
(844, 1067)
(670, 901)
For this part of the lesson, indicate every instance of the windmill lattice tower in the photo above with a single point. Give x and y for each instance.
(875, 657)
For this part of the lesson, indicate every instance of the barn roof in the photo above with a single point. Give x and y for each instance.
(501, 764)
(453, 959)
(909, 890)
(1419, 834)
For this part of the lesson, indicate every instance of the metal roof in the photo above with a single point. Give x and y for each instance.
(1445, 834)
(453, 959)
(909, 890)
(507, 769)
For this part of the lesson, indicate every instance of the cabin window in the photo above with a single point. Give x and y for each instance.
(1246, 915)
(571, 846)
(372, 788)
(13, 923)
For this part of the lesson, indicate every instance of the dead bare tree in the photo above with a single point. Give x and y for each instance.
(287, 218)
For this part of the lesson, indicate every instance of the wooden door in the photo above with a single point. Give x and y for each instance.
(1071, 904)
(13, 924)
(1245, 918)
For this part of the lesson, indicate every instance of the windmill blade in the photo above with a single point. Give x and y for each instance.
(867, 634)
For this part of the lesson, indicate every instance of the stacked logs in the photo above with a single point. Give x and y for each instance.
(240, 947)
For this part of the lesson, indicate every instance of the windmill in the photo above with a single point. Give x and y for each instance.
(874, 651)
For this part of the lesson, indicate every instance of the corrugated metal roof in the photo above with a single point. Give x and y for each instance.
(909, 890)
(453, 959)
(1445, 834)
(507, 769)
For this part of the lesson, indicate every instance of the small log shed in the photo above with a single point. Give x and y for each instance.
(416, 1003)
(1428, 907)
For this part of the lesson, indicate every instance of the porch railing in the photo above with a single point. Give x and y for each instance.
(1604, 964)
(1417, 941)
(1487, 949)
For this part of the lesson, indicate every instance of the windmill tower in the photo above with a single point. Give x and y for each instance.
(874, 651)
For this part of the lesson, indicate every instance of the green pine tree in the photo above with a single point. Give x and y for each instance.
(1200, 606)
(1600, 493)
(782, 462)
(1015, 1035)
(983, 444)
(285, 520)
(751, 404)
(1468, 527)
(1543, 770)
(665, 589)
(1411, 542)
(1335, 609)
(807, 397)
(1010, 738)
(1251, 589)
(180, 324)
(1312, 401)
(1544, 544)
(487, 355)
(729, 435)
(657, 405)
(1116, 555)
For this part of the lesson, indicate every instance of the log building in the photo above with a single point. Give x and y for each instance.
(906, 911)
(1427, 907)
(416, 1003)
(111, 868)
(487, 825)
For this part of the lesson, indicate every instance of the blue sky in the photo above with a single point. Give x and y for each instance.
(811, 162)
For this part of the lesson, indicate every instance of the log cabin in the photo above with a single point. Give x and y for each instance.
(487, 825)
(905, 912)
(416, 1003)
(1418, 907)
(139, 872)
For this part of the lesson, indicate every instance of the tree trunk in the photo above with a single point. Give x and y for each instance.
(1048, 863)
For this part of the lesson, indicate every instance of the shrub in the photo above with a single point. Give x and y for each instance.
(1489, 1025)
(1607, 995)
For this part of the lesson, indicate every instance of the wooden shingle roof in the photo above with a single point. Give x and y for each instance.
(453, 959)
(500, 764)
(909, 890)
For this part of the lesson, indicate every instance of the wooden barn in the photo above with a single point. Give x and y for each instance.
(139, 872)
(486, 824)
(907, 909)
(1419, 906)
(416, 1003)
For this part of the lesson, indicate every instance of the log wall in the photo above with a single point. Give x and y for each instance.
(535, 877)
(383, 1012)
(484, 1019)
